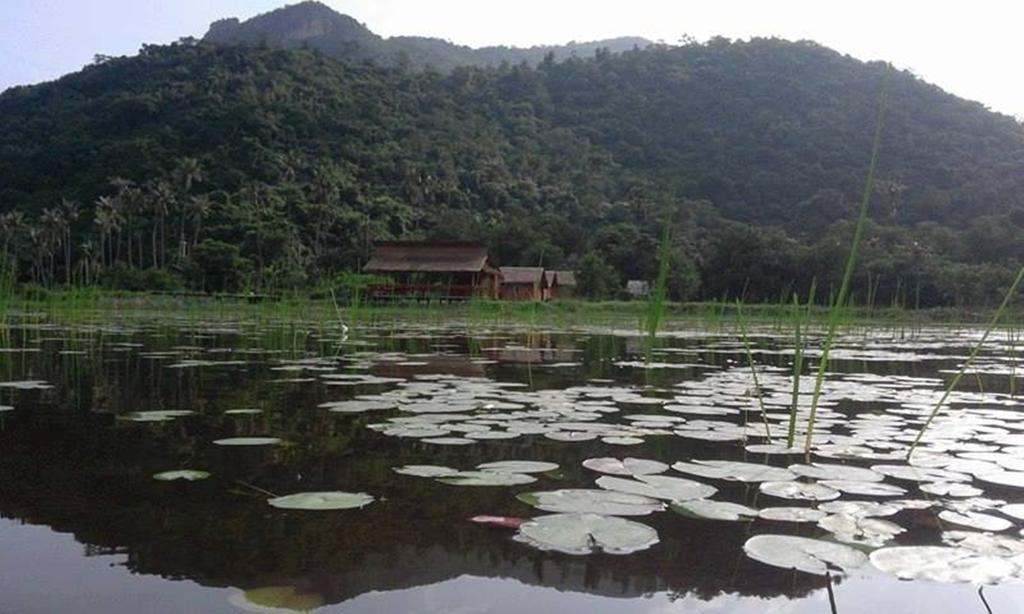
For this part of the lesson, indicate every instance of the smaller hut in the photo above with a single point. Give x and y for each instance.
(561, 284)
(638, 289)
(523, 283)
(433, 269)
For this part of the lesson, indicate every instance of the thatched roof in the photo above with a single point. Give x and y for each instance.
(560, 278)
(523, 275)
(429, 257)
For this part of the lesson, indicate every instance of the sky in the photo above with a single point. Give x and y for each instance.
(972, 49)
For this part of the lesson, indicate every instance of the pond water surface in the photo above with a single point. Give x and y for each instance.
(97, 410)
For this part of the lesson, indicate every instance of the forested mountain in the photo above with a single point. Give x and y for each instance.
(313, 25)
(226, 166)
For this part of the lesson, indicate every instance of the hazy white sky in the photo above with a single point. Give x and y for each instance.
(972, 49)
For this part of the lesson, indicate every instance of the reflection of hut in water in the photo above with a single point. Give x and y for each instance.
(561, 284)
(521, 354)
(439, 364)
(433, 269)
(523, 283)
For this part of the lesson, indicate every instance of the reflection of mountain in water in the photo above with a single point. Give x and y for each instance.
(93, 481)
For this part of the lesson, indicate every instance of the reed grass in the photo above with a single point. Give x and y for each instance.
(659, 294)
(838, 300)
(741, 321)
(800, 318)
(969, 362)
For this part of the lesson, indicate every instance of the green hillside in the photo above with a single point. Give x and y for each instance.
(252, 167)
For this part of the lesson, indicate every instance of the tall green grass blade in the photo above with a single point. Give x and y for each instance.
(838, 303)
(970, 360)
(753, 369)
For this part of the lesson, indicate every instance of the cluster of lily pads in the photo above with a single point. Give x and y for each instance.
(968, 463)
(584, 520)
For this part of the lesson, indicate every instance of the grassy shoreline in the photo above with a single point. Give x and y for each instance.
(70, 303)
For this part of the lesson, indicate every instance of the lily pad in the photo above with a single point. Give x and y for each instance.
(593, 501)
(626, 466)
(808, 555)
(517, 466)
(1004, 478)
(860, 509)
(735, 471)
(976, 520)
(659, 487)
(791, 514)
(425, 471)
(585, 533)
(162, 415)
(487, 478)
(951, 489)
(330, 500)
(943, 564)
(920, 474)
(622, 441)
(707, 509)
(448, 441)
(248, 441)
(860, 530)
(804, 491)
(829, 471)
(1014, 510)
(190, 475)
(865, 489)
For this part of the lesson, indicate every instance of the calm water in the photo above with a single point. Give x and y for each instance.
(85, 527)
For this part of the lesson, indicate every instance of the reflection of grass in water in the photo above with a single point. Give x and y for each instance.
(970, 360)
(753, 369)
(839, 299)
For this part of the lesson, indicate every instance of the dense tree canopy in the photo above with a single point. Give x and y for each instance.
(229, 168)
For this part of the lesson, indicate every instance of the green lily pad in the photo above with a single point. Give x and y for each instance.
(735, 471)
(659, 487)
(706, 509)
(865, 489)
(804, 491)
(276, 599)
(860, 530)
(791, 514)
(248, 441)
(330, 500)
(425, 471)
(830, 471)
(943, 564)
(591, 501)
(190, 475)
(487, 478)
(162, 415)
(976, 520)
(581, 534)
(808, 555)
(626, 466)
(517, 466)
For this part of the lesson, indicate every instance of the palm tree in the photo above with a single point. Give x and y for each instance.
(12, 224)
(108, 219)
(54, 229)
(188, 173)
(200, 207)
(71, 213)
